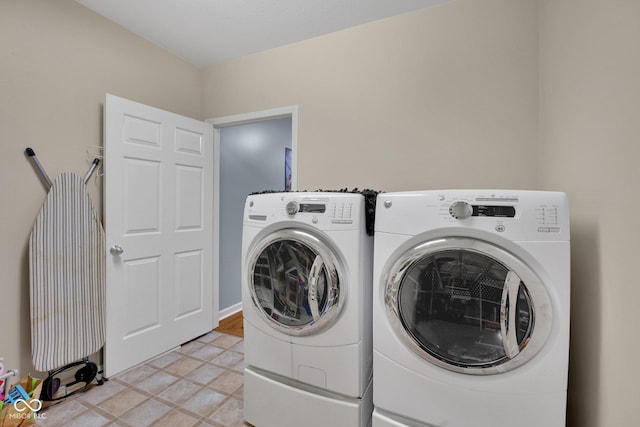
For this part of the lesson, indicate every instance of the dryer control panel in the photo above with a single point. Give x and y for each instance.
(457, 206)
(514, 214)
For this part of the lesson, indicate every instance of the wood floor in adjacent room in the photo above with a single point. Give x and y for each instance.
(232, 325)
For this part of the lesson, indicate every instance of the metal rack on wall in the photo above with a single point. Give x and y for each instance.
(9, 373)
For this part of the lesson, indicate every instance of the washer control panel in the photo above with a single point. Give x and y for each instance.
(327, 211)
(462, 210)
(294, 207)
(333, 210)
(512, 214)
(319, 209)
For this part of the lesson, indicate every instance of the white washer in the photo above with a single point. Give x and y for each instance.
(307, 306)
(471, 308)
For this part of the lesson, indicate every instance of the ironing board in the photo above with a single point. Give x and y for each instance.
(67, 276)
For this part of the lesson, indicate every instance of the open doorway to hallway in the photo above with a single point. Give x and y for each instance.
(252, 153)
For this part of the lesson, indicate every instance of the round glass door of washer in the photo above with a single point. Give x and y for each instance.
(295, 282)
(468, 306)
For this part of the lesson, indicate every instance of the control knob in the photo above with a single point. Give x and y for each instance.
(292, 208)
(460, 210)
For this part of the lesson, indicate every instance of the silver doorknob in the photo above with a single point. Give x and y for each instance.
(116, 250)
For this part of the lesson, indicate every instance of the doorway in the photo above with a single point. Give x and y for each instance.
(251, 155)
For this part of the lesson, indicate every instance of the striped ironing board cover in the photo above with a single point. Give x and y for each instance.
(67, 277)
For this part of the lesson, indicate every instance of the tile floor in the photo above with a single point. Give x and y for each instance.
(200, 384)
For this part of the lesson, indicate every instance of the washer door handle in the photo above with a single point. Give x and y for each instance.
(508, 310)
(314, 276)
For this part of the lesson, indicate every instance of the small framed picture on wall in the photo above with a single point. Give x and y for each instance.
(287, 169)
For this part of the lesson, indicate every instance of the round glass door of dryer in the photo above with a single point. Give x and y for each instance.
(468, 306)
(295, 282)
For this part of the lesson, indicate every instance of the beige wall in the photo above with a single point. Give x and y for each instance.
(432, 99)
(526, 94)
(590, 147)
(57, 61)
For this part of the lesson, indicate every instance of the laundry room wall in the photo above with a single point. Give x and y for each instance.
(57, 61)
(499, 93)
(590, 148)
(442, 97)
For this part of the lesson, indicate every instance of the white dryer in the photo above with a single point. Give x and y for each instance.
(307, 304)
(471, 308)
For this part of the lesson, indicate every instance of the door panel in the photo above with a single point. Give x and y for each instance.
(189, 267)
(159, 210)
(189, 197)
(140, 277)
(141, 196)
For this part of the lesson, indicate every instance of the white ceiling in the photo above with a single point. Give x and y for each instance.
(204, 32)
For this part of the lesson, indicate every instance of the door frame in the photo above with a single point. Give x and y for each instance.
(233, 120)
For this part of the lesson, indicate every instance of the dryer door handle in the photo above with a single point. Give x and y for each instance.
(312, 296)
(508, 308)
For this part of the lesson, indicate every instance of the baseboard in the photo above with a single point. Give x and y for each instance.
(229, 311)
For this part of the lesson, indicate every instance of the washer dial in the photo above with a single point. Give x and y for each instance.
(292, 208)
(460, 210)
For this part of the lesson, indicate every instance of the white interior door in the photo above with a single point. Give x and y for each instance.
(159, 225)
